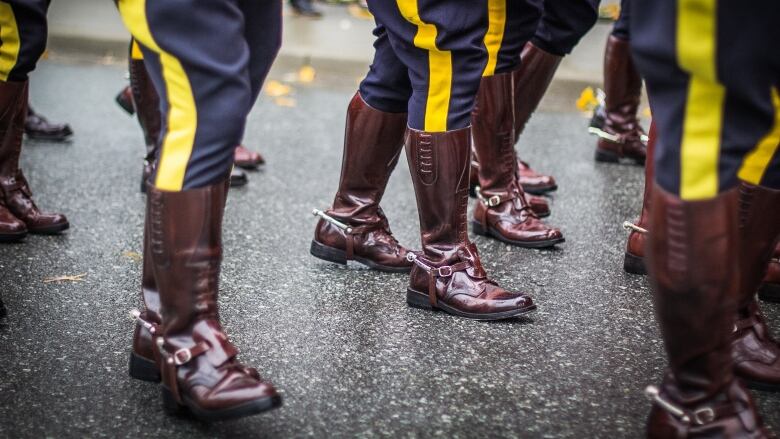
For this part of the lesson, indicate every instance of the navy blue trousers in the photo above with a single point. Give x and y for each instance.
(713, 88)
(24, 32)
(564, 23)
(208, 61)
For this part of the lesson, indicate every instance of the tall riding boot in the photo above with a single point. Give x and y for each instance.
(146, 102)
(756, 353)
(15, 191)
(621, 135)
(355, 227)
(12, 229)
(200, 372)
(634, 261)
(531, 80)
(147, 105)
(539, 204)
(770, 286)
(693, 262)
(502, 211)
(448, 273)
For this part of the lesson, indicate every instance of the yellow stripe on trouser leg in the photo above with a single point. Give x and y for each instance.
(437, 104)
(495, 33)
(756, 163)
(135, 50)
(9, 35)
(182, 114)
(703, 120)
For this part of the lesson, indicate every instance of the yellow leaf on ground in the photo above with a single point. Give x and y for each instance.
(284, 101)
(587, 100)
(132, 255)
(358, 12)
(610, 12)
(65, 278)
(306, 74)
(275, 88)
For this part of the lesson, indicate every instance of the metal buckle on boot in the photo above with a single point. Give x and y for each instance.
(704, 415)
(655, 395)
(182, 356)
(493, 201)
(445, 271)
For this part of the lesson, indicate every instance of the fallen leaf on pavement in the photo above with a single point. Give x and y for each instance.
(358, 12)
(284, 101)
(275, 89)
(587, 100)
(66, 278)
(306, 74)
(132, 255)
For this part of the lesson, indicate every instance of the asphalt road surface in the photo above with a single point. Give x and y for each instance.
(348, 355)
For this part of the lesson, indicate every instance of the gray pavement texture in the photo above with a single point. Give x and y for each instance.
(349, 356)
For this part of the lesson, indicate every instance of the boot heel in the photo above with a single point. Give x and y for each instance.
(478, 229)
(634, 264)
(606, 156)
(769, 293)
(418, 300)
(143, 369)
(170, 405)
(328, 253)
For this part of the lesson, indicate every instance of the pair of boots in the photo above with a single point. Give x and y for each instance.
(447, 274)
(18, 213)
(708, 259)
(178, 337)
(141, 97)
(620, 136)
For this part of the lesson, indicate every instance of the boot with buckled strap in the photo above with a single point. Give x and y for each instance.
(355, 228)
(621, 137)
(146, 103)
(756, 353)
(448, 273)
(200, 372)
(694, 265)
(502, 210)
(538, 204)
(15, 191)
(770, 286)
(634, 260)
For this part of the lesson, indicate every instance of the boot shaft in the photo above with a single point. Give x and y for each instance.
(759, 225)
(372, 144)
(622, 86)
(147, 105)
(531, 81)
(13, 111)
(492, 129)
(439, 164)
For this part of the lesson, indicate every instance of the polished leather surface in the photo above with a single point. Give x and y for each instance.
(186, 249)
(246, 158)
(147, 106)
(531, 81)
(756, 353)
(623, 89)
(492, 131)
(737, 417)
(143, 343)
(372, 145)
(439, 164)
(694, 265)
(11, 93)
(16, 193)
(772, 275)
(531, 180)
(636, 240)
(38, 127)
(539, 205)
(11, 227)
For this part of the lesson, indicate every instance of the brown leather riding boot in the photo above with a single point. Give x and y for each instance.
(770, 286)
(622, 136)
(200, 372)
(147, 105)
(245, 158)
(502, 210)
(15, 191)
(37, 127)
(693, 262)
(539, 205)
(634, 260)
(756, 353)
(355, 227)
(448, 273)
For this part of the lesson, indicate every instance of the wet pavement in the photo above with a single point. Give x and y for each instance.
(349, 356)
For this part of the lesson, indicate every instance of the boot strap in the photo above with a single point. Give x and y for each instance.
(172, 359)
(699, 416)
(497, 199)
(434, 272)
(351, 231)
(17, 183)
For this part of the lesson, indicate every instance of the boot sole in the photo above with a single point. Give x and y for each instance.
(416, 299)
(540, 190)
(48, 138)
(51, 230)
(634, 264)
(610, 157)
(143, 369)
(330, 254)
(479, 230)
(769, 293)
(13, 237)
(172, 407)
